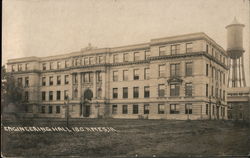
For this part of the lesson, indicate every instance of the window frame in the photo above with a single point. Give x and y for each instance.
(115, 93)
(175, 110)
(160, 110)
(135, 109)
(146, 91)
(135, 92)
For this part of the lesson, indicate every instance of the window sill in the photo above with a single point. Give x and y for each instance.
(189, 97)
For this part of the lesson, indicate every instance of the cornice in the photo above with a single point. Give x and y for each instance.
(25, 72)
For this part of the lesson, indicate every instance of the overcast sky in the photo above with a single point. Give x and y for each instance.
(50, 27)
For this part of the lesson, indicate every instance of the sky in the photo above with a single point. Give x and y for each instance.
(50, 27)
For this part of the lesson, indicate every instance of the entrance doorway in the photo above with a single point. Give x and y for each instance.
(85, 106)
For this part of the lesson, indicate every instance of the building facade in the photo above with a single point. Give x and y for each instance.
(179, 77)
(238, 103)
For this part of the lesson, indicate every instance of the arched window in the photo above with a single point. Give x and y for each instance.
(88, 95)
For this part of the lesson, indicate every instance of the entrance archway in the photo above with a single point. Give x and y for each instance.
(85, 106)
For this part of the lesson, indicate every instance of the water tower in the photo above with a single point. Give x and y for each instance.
(236, 76)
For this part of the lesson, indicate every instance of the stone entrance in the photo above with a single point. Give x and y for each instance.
(86, 103)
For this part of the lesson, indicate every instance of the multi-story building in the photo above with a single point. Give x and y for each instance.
(179, 77)
(238, 99)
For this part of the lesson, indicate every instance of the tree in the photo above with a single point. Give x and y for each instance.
(11, 92)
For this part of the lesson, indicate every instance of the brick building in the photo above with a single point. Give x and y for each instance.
(179, 77)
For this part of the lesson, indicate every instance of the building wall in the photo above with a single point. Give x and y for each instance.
(203, 53)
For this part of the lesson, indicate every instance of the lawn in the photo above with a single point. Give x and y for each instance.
(133, 137)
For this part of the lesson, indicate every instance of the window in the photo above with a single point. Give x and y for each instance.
(189, 69)
(91, 60)
(189, 47)
(20, 81)
(73, 62)
(136, 92)
(74, 78)
(206, 109)
(86, 61)
(43, 96)
(75, 92)
(99, 93)
(161, 90)
(174, 89)
(224, 95)
(12, 68)
(66, 94)
(188, 89)
(125, 75)
(161, 108)
(161, 70)
(114, 109)
(146, 74)
(206, 48)
(136, 56)
(58, 95)
(51, 65)
(43, 81)
(188, 109)
(147, 54)
(216, 92)
(101, 59)
(135, 109)
(44, 66)
(175, 49)
(146, 108)
(136, 74)
(162, 50)
(213, 110)
(115, 75)
(174, 70)
(50, 109)
(115, 58)
(66, 79)
(212, 91)
(58, 78)
(51, 80)
(125, 57)
(78, 62)
(124, 109)
(174, 109)
(99, 76)
(58, 110)
(26, 66)
(220, 93)
(146, 92)
(206, 69)
(58, 65)
(115, 93)
(206, 90)
(66, 63)
(50, 95)
(19, 67)
(43, 109)
(125, 92)
(212, 72)
(86, 77)
(26, 96)
(26, 81)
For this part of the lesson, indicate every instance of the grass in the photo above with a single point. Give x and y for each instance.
(134, 137)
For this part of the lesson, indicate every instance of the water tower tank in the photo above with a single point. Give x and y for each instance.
(235, 39)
